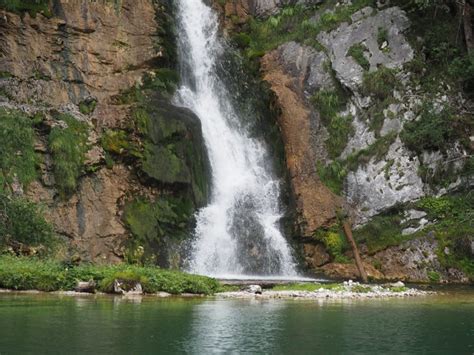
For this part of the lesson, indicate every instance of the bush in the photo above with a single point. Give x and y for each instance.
(22, 221)
(18, 158)
(379, 83)
(68, 148)
(432, 131)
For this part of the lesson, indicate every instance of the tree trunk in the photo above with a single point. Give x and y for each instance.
(348, 232)
(466, 13)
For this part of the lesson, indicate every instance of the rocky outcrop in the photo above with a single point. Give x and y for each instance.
(108, 66)
(316, 205)
(93, 50)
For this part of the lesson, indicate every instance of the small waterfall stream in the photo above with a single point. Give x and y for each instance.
(238, 233)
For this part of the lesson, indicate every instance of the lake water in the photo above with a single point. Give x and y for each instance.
(48, 323)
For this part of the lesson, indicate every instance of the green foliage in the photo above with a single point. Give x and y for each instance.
(68, 147)
(329, 103)
(334, 242)
(86, 107)
(433, 276)
(22, 221)
(361, 289)
(33, 7)
(357, 51)
(434, 130)
(382, 231)
(294, 23)
(17, 153)
(380, 83)
(398, 288)
(382, 36)
(22, 273)
(333, 175)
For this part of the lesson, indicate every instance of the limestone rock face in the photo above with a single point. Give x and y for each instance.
(364, 29)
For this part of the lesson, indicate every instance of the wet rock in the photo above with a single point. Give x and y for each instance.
(127, 287)
(85, 286)
(256, 289)
(397, 284)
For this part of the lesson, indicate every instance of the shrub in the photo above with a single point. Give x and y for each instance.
(379, 83)
(432, 131)
(23, 221)
(68, 147)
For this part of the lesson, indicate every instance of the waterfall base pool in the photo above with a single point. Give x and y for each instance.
(46, 323)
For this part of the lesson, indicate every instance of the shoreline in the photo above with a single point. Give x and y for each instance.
(344, 292)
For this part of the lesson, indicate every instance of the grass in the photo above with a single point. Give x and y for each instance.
(380, 83)
(310, 287)
(357, 51)
(18, 159)
(329, 103)
(21, 273)
(68, 147)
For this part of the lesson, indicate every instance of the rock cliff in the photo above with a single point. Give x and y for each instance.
(94, 80)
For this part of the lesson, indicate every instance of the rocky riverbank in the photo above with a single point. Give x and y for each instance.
(345, 290)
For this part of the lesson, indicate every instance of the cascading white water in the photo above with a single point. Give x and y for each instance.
(237, 233)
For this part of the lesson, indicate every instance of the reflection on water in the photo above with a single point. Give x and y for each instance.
(101, 324)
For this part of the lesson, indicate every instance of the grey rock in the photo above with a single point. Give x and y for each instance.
(397, 284)
(307, 65)
(379, 185)
(365, 31)
(256, 289)
(85, 286)
(127, 287)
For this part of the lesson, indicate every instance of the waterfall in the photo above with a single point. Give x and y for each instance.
(238, 232)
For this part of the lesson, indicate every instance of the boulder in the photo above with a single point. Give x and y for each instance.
(256, 289)
(127, 287)
(85, 286)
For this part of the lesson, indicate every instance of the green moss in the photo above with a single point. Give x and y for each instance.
(357, 51)
(151, 221)
(22, 221)
(119, 142)
(48, 275)
(5, 75)
(68, 147)
(164, 165)
(17, 154)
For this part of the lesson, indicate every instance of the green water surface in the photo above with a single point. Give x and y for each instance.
(104, 324)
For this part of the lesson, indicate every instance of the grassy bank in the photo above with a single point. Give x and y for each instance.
(21, 273)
